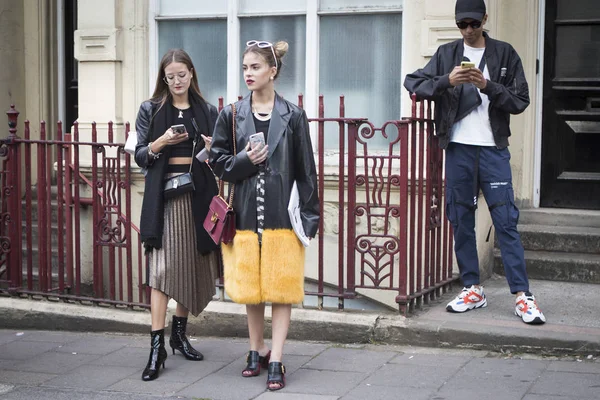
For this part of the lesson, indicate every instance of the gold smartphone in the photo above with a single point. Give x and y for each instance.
(467, 64)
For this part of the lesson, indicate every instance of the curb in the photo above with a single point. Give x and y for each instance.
(518, 337)
(224, 319)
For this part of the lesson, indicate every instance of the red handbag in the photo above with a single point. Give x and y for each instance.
(220, 220)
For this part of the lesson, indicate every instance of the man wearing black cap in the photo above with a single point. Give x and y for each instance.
(473, 103)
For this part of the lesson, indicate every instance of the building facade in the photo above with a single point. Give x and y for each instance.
(97, 61)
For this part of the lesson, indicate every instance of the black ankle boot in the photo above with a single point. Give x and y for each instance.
(158, 355)
(180, 342)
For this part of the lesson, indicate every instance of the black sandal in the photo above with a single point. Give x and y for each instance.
(254, 362)
(276, 376)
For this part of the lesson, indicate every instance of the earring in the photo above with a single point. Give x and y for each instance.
(271, 78)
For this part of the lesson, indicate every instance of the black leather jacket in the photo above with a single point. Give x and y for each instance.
(290, 159)
(143, 130)
(151, 123)
(507, 88)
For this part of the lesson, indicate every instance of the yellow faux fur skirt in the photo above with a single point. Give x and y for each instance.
(273, 272)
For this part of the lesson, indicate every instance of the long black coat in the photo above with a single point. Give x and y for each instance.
(290, 159)
(151, 123)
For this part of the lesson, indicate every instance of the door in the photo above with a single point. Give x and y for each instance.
(71, 79)
(571, 107)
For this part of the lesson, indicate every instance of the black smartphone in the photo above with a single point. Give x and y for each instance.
(179, 129)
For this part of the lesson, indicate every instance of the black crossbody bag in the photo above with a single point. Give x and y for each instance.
(184, 183)
(469, 95)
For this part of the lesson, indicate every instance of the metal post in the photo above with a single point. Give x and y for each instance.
(11, 245)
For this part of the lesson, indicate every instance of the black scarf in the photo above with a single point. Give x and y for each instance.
(152, 218)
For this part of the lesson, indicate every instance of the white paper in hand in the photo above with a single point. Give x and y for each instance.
(294, 213)
(202, 155)
(131, 143)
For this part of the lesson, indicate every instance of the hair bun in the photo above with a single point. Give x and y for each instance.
(281, 48)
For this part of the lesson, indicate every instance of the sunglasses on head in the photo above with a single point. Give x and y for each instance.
(263, 45)
(465, 25)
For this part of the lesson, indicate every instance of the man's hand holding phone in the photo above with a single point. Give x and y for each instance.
(467, 73)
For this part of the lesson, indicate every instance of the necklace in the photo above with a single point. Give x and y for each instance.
(181, 110)
(262, 117)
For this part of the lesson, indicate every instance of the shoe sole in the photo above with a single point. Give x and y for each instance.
(535, 321)
(482, 305)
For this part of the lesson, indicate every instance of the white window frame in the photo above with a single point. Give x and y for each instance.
(234, 15)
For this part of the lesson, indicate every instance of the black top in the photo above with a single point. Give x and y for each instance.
(183, 149)
(262, 126)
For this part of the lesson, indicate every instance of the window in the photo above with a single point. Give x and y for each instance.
(358, 5)
(352, 47)
(186, 8)
(208, 59)
(291, 29)
(360, 58)
(270, 7)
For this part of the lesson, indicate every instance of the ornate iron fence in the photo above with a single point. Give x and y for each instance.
(68, 233)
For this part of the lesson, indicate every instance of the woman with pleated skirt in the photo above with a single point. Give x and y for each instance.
(172, 128)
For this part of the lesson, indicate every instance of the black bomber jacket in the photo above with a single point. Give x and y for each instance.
(506, 89)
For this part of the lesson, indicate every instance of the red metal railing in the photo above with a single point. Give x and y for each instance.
(380, 190)
(430, 258)
(55, 262)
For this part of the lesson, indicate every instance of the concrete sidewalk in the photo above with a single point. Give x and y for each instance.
(40, 365)
(572, 310)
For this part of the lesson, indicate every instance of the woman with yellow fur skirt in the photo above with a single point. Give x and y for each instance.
(265, 262)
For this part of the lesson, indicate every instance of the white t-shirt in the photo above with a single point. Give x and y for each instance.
(475, 128)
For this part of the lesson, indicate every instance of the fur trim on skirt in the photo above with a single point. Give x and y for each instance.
(273, 272)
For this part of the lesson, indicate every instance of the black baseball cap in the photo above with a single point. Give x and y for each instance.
(470, 9)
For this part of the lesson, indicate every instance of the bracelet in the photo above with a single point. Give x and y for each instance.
(151, 153)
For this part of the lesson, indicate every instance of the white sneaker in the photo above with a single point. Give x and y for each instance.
(528, 310)
(470, 298)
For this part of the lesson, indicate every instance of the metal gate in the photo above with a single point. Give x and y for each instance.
(66, 230)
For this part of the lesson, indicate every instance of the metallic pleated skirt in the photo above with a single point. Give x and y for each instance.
(178, 269)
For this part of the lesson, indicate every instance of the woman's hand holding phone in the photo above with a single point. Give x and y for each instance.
(257, 155)
(171, 137)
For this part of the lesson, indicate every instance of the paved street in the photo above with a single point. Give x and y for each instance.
(67, 365)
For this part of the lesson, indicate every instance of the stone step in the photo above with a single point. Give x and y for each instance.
(35, 266)
(35, 258)
(573, 239)
(53, 191)
(560, 217)
(558, 266)
(35, 234)
(35, 210)
(86, 288)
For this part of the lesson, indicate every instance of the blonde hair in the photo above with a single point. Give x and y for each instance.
(280, 49)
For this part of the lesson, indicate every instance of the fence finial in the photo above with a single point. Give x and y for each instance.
(13, 115)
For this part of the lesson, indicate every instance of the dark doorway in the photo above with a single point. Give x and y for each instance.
(571, 116)
(71, 82)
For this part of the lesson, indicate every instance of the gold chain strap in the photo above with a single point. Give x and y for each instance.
(221, 184)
